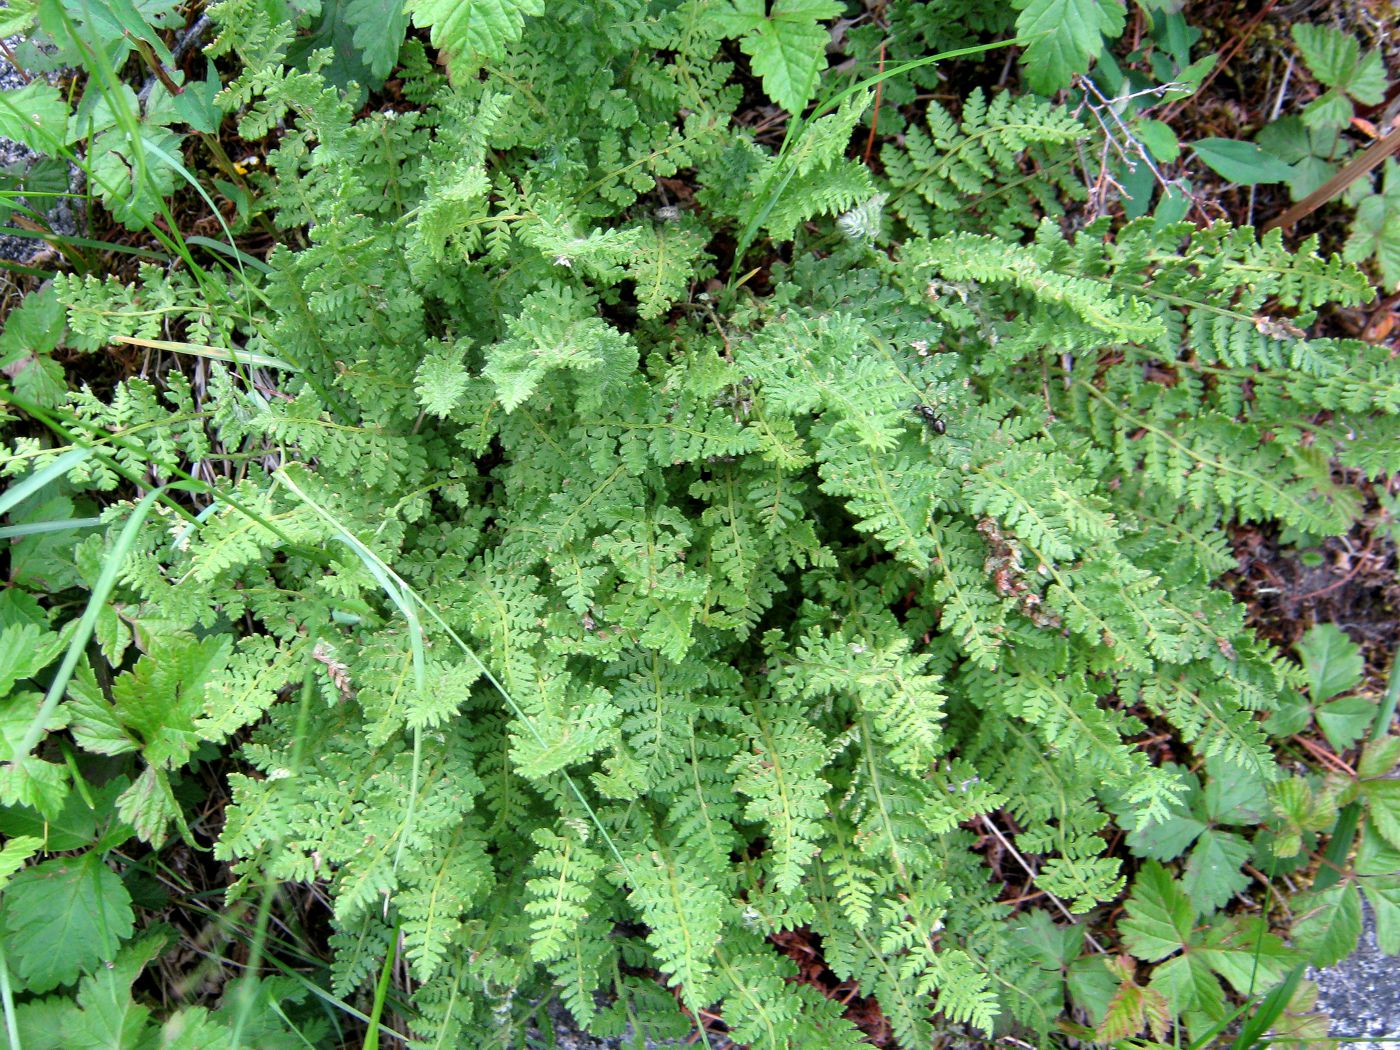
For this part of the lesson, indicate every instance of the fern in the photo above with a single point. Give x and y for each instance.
(973, 166)
(641, 618)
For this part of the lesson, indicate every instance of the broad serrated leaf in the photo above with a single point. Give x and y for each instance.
(1159, 915)
(35, 327)
(76, 825)
(194, 1028)
(1379, 758)
(62, 918)
(1063, 36)
(1213, 871)
(159, 700)
(1383, 893)
(1053, 946)
(1302, 810)
(1166, 839)
(1329, 923)
(132, 173)
(30, 781)
(1234, 794)
(786, 45)
(40, 1023)
(1188, 983)
(1378, 874)
(1331, 660)
(379, 27)
(35, 116)
(148, 806)
(1133, 1009)
(473, 32)
(108, 1017)
(14, 853)
(41, 380)
(1383, 808)
(1092, 985)
(24, 651)
(1346, 720)
(1330, 111)
(18, 16)
(1243, 951)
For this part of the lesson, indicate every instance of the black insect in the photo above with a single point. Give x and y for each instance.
(931, 418)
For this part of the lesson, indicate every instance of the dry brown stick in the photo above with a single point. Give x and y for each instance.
(1324, 756)
(1360, 165)
(875, 117)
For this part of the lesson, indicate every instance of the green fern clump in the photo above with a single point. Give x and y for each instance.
(1001, 167)
(637, 617)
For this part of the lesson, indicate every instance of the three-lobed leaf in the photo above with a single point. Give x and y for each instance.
(1334, 58)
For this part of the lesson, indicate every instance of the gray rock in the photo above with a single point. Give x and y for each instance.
(1362, 995)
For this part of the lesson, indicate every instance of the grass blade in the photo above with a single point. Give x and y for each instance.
(21, 491)
(37, 528)
(381, 992)
(1269, 1010)
(213, 353)
(7, 999)
(106, 581)
(231, 252)
(55, 239)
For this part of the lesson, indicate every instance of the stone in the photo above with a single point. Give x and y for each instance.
(1362, 995)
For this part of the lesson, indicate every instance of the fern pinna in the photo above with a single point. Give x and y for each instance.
(649, 616)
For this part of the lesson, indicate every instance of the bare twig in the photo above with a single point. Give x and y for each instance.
(188, 39)
(1031, 872)
(1324, 756)
(1362, 164)
(1118, 139)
